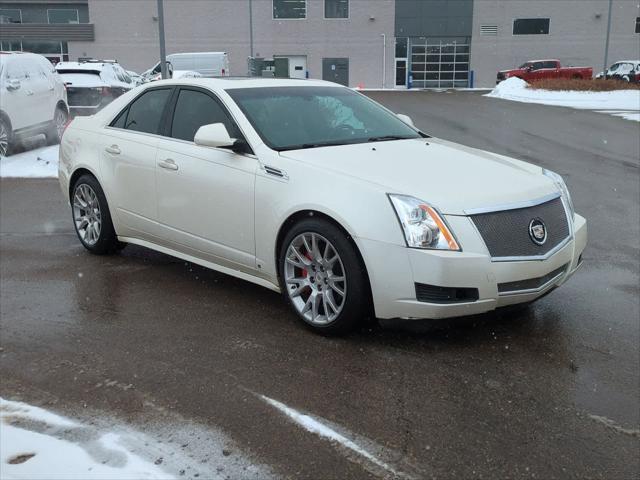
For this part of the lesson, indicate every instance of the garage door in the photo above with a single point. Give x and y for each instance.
(439, 63)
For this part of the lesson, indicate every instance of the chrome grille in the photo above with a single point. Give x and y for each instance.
(506, 232)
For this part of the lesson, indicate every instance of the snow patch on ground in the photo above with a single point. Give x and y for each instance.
(37, 445)
(38, 163)
(621, 103)
(324, 430)
(33, 445)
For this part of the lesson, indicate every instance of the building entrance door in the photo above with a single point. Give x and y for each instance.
(336, 70)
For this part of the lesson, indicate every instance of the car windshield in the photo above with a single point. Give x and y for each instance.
(290, 118)
(524, 65)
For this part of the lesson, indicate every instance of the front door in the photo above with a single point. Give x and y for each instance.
(336, 70)
(205, 194)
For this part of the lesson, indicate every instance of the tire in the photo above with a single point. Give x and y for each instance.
(6, 138)
(88, 208)
(576, 77)
(626, 79)
(54, 132)
(309, 282)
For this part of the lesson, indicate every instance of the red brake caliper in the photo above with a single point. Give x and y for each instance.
(304, 270)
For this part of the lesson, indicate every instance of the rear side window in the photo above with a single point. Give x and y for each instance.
(549, 65)
(145, 113)
(195, 109)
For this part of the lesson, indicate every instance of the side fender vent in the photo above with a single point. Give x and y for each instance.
(276, 172)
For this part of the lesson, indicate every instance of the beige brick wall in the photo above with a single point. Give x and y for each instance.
(125, 30)
(577, 36)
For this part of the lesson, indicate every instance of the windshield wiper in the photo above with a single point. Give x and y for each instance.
(313, 145)
(384, 138)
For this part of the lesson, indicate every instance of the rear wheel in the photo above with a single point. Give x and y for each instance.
(6, 138)
(55, 130)
(91, 217)
(322, 277)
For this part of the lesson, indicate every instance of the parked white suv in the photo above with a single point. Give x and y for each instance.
(93, 84)
(33, 100)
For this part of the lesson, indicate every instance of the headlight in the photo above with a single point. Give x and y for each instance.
(566, 196)
(423, 227)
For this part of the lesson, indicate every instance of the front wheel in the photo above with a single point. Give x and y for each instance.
(91, 217)
(322, 277)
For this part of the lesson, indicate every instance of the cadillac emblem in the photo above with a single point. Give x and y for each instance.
(537, 231)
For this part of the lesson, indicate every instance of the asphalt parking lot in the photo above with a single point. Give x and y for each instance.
(548, 391)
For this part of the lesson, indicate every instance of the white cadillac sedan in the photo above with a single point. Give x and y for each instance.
(313, 190)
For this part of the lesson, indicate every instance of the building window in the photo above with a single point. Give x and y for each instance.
(66, 15)
(637, 24)
(336, 8)
(531, 26)
(401, 47)
(10, 15)
(11, 45)
(289, 9)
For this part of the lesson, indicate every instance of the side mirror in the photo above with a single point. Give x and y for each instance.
(213, 135)
(405, 118)
(13, 84)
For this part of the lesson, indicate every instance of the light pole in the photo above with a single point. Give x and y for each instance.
(606, 44)
(251, 28)
(384, 60)
(163, 52)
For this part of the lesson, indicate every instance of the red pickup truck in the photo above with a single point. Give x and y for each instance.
(538, 69)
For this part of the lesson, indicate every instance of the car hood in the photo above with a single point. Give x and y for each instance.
(453, 178)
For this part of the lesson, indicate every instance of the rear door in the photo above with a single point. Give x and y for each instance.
(205, 195)
(129, 149)
(41, 89)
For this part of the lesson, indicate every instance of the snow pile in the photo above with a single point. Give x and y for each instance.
(621, 103)
(36, 444)
(38, 163)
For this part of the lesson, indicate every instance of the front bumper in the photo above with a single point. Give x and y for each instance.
(395, 270)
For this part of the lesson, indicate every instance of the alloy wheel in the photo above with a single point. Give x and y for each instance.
(60, 122)
(86, 214)
(315, 278)
(4, 139)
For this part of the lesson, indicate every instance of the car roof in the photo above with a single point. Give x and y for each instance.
(227, 83)
(626, 61)
(543, 60)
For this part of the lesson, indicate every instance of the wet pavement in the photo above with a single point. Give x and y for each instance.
(547, 391)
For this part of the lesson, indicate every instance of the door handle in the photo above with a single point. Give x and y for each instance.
(168, 164)
(113, 149)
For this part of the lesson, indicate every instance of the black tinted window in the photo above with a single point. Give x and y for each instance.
(195, 109)
(531, 26)
(120, 119)
(549, 65)
(145, 113)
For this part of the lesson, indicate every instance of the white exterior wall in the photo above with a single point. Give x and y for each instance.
(576, 36)
(125, 30)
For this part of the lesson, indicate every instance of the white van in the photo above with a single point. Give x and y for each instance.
(207, 64)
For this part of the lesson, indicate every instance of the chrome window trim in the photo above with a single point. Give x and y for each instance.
(514, 205)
